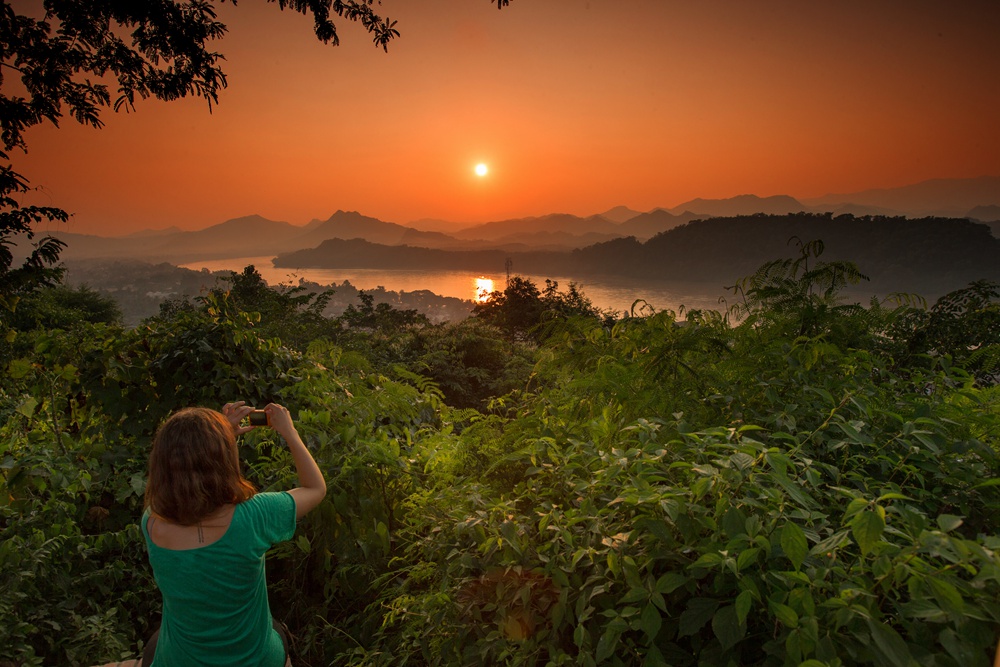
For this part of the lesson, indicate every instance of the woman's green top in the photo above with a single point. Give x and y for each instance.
(215, 609)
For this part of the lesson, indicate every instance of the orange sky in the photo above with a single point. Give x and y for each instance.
(575, 106)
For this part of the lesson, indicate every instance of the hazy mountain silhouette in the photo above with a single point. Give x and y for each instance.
(352, 225)
(740, 205)
(988, 215)
(556, 222)
(552, 240)
(619, 214)
(855, 209)
(150, 233)
(436, 225)
(985, 213)
(647, 225)
(939, 196)
(254, 235)
(358, 253)
(238, 237)
(428, 239)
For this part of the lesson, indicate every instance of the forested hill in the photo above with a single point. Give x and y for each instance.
(926, 256)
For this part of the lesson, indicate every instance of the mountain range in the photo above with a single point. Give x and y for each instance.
(977, 199)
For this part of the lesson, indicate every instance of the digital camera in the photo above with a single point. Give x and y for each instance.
(258, 418)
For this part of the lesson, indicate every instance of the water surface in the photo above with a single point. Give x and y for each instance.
(607, 293)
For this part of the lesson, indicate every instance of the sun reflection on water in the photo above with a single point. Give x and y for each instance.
(484, 287)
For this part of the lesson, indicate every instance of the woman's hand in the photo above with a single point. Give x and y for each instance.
(280, 420)
(236, 413)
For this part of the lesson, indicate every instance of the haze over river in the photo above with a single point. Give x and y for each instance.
(605, 293)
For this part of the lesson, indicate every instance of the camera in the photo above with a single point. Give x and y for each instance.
(258, 418)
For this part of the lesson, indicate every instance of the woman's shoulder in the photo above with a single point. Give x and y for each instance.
(268, 499)
(271, 514)
(267, 503)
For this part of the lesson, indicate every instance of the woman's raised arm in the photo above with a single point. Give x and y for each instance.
(312, 487)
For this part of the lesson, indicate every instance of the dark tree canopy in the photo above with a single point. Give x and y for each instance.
(521, 310)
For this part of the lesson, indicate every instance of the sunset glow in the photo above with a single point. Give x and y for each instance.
(644, 108)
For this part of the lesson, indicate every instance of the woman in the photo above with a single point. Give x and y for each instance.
(207, 531)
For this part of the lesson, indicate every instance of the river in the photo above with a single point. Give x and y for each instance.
(605, 293)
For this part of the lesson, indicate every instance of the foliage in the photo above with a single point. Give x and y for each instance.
(522, 311)
(75, 582)
(378, 319)
(964, 325)
(811, 508)
(61, 307)
(788, 289)
(54, 308)
(292, 314)
(471, 362)
(811, 484)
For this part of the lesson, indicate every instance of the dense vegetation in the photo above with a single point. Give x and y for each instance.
(797, 481)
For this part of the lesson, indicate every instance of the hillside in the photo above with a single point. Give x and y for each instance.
(928, 255)
(740, 205)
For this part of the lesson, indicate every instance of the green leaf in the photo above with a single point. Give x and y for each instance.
(697, 614)
(609, 642)
(654, 658)
(793, 543)
(302, 542)
(650, 621)
(784, 613)
(727, 627)
(946, 594)
(383, 535)
(793, 645)
(633, 596)
(19, 368)
(890, 644)
(27, 406)
(949, 522)
(138, 484)
(746, 557)
(961, 650)
(670, 582)
(867, 530)
(707, 561)
(744, 601)
(794, 490)
(734, 523)
(830, 544)
(854, 507)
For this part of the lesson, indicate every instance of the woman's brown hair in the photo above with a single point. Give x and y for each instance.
(194, 467)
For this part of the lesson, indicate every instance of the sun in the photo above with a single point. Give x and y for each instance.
(481, 169)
